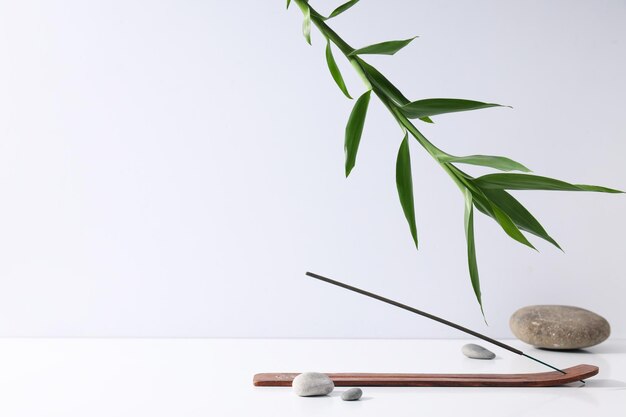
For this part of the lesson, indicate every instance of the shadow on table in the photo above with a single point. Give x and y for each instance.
(601, 349)
(604, 383)
(337, 394)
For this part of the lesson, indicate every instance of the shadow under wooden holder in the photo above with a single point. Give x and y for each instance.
(541, 379)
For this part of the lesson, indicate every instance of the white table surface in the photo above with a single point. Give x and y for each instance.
(213, 377)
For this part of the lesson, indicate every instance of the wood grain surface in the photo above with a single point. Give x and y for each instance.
(542, 379)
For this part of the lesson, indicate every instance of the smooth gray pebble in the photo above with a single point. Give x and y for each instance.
(311, 384)
(477, 352)
(352, 394)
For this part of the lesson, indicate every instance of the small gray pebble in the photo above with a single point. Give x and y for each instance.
(310, 384)
(477, 352)
(352, 394)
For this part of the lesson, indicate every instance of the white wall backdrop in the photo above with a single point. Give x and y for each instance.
(172, 168)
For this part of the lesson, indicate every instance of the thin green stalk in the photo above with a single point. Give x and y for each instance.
(393, 108)
(426, 144)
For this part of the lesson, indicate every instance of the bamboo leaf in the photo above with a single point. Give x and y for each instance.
(518, 213)
(426, 119)
(435, 106)
(334, 70)
(501, 216)
(288, 3)
(382, 84)
(471, 247)
(509, 227)
(534, 182)
(306, 22)
(404, 183)
(306, 26)
(354, 129)
(498, 162)
(383, 48)
(342, 8)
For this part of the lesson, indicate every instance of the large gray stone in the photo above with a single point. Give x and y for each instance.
(310, 384)
(477, 352)
(559, 327)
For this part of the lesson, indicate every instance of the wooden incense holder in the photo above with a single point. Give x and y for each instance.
(541, 379)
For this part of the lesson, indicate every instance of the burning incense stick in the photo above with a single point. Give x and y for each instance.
(432, 317)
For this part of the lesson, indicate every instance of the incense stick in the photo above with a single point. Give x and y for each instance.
(432, 317)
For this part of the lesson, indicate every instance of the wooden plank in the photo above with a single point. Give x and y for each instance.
(542, 379)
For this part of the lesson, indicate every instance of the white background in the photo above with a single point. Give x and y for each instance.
(172, 168)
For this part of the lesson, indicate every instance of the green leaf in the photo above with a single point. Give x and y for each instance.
(484, 204)
(334, 70)
(435, 106)
(426, 119)
(288, 3)
(404, 183)
(383, 48)
(306, 23)
(342, 8)
(471, 247)
(306, 26)
(518, 213)
(382, 84)
(497, 162)
(508, 226)
(534, 182)
(354, 129)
